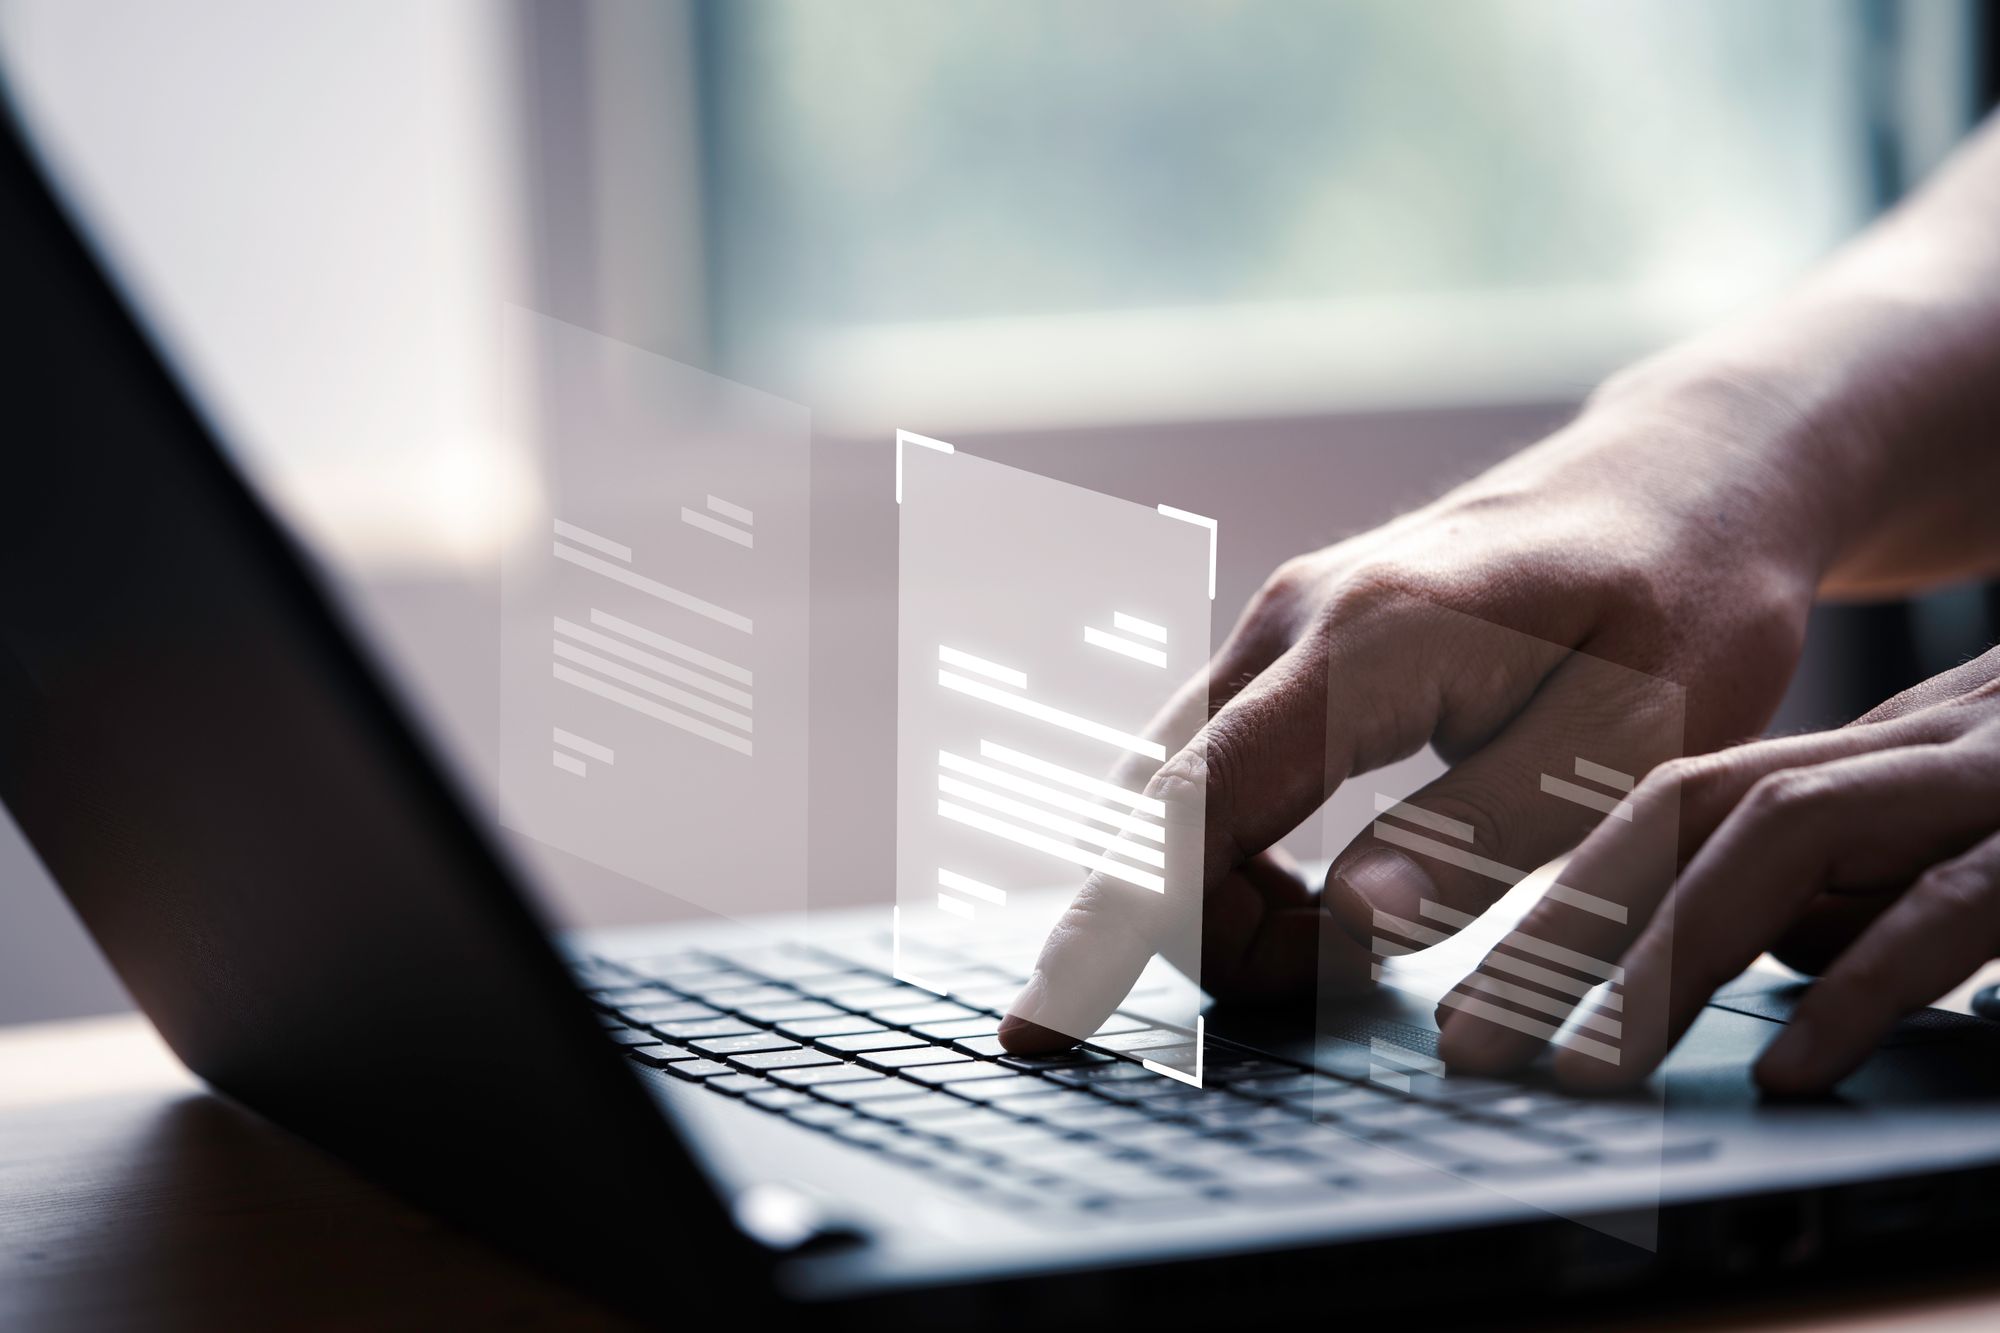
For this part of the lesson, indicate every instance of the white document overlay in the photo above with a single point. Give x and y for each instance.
(653, 655)
(1043, 628)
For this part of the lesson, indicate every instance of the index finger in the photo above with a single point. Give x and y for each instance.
(1246, 778)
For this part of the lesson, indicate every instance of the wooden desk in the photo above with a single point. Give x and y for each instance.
(130, 1198)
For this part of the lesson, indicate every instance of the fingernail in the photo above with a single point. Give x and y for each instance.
(1029, 1002)
(1390, 882)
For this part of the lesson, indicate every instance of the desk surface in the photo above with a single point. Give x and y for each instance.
(130, 1198)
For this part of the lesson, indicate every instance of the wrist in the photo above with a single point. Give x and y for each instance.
(1741, 439)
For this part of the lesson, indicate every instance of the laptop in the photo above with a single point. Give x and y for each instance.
(726, 1119)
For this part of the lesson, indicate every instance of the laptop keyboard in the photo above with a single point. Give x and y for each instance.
(848, 1051)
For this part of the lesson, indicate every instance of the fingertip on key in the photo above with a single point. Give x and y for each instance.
(1471, 1045)
(1792, 1066)
(1021, 1036)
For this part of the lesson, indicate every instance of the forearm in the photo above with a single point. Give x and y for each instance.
(1870, 396)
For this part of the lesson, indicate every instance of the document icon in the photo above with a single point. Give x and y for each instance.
(1043, 631)
(653, 660)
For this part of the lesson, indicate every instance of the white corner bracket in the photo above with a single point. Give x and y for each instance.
(1200, 1057)
(904, 437)
(1199, 520)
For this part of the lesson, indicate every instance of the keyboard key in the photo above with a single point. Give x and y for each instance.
(1404, 1118)
(1247, 1116)
(880, 997)
(796, 1009)
(818, 1074)
(999, 1092)
(1094, 1076)
(909, 1015)
(973, 1124)
(679, 1011)
(753, 991)
(1460, 1089)
(911, 1105)
(717, 984)
(963, 1071)
(1380, 1170)
(883, 1040)
(1075, 1058)
(743, 1045)
(1142, 1040)
(714, 1027)
(988, 995)
(696, 1070)
(985, 1045)
(878, 1091)
(1118, 1023)
(868, 1133)
(1289, 1085)
(811, 1029)
(842, 984)
(597, 974)
(797, 1058)
(1332, 1098)
(660, 1055)
(735, 1085)
(1159, 1091)
(957, 1028)
(912, 1058)
(1094, 1115)
(1532, 1106)
(777, 1099)
(1288, 1129)
(631, 1037)
(668, 966)
(1477, 1146)
(1229, 1068)
(819, 1115)
(1041, 1100)
(784, 962)
(619, 997)
(1165, 1137)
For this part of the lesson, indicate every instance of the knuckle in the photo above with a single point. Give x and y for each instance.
(1674, 779)
(1695, 784)
(1957, 889)
(1379, 586)
(1284, 589)
(1785, 795)
(1274, 613)
(1639, 587)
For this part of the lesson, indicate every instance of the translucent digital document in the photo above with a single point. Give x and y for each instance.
(653, 654)
(1045, 634)
(1586, 735)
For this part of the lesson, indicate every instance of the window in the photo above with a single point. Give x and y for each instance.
(903, 190)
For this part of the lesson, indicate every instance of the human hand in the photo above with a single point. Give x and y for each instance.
(1647, 533)
(1875, 848)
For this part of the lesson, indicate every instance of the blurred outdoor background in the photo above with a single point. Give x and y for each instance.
(1296, 266)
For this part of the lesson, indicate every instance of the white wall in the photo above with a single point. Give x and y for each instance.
(316, 206)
